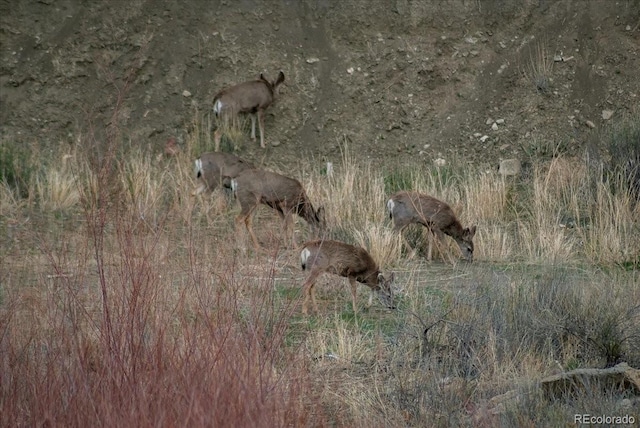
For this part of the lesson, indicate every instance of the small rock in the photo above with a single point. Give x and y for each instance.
(590, 124)
(557, 58)
(313, 60)
(494, 126)
(606, 114)
(186, 93)
(484, 138)
(628, 28)
(275, 143)
(489, 121)
(510, 167)
(350, 70)
(439, 162)
(426, 146)
(500, 121)
(477, 135)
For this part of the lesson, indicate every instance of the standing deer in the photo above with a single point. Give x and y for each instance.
(345, 260)
(286, 195)
(251, 97)
(407, 208)
(216, 168)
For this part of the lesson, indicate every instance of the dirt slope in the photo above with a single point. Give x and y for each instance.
(395, 79)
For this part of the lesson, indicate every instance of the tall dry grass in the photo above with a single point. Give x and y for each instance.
(130, 304)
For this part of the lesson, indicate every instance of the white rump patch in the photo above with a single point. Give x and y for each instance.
(234, 186)
(198, 167)
(217, 107)
(304, 256)
(390, 206)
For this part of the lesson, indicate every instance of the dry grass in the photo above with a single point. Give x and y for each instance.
(539, 68)
(125, 301)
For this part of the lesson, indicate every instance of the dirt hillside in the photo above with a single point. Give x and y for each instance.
(399, 79)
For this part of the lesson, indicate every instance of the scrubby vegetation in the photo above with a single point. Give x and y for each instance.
(126, 301)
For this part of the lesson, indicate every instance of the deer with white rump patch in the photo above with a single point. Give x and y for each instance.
(216, 168)
(251, 97)
(348, 261)
(284, 194)
(407, 208)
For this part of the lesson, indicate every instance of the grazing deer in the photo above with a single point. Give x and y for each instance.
(406, 208)
(251, 97)
(286, 195)
(216, 168)
(346, 260)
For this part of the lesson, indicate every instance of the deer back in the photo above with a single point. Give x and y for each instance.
(280, 192)
(413, 207)
(269, 187)
(340, 259)
(247, 97)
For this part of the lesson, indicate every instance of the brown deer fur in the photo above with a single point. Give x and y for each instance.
(407, 208)
(345, 260)
(253, 187)
(216, 168)
(251, 97)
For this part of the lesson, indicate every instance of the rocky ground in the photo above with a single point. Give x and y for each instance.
(478, 80)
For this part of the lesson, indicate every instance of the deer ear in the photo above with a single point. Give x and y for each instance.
(280, 78)
(472, 231)
(320, 214)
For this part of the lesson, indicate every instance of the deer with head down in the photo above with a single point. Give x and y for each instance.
(216, 168)
(286, 195)
(348, 261)
(251, 97)
(407, 208)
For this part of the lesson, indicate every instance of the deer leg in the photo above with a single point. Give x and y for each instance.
(309, 292)
(217, 136)
(248, 221)
(354, 289)
(261, 124)
(313, 298)
(430, 238)
(253, 126)
(405, 241)
(289, 229)
(245, 217)
(239, 233)
(371, 298)
(438, 236)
